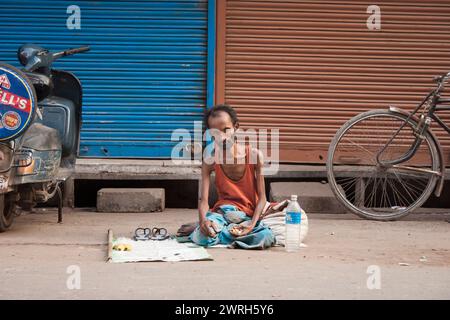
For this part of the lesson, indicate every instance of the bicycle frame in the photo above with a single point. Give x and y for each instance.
(437, 104)
(440, 106)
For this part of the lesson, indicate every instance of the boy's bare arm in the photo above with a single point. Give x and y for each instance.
(203, 205)
(261, 189)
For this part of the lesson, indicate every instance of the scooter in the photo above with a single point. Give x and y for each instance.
(40, 121)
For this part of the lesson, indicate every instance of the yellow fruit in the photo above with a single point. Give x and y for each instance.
(122, 247)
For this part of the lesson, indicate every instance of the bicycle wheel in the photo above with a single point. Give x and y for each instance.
(369, 189)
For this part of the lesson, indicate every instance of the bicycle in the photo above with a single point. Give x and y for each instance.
(383, 164)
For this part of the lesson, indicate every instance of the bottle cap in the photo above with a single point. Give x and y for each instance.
(294, 197)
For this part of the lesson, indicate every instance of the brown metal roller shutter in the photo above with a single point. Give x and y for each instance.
(306, 67)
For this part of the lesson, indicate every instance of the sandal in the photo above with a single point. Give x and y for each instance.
(142, 234)
(159, 234)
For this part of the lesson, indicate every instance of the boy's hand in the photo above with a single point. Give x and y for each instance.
(242, 230)
(246, 229)
(206, 227)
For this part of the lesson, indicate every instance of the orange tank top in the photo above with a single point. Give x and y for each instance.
(241, 193)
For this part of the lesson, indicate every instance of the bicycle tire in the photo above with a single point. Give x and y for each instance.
(335, 186)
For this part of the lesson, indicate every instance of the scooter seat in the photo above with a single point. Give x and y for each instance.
(43, 85)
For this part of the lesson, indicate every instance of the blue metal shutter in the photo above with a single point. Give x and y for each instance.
(144, 77)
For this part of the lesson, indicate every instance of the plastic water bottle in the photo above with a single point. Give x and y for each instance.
(293, 220)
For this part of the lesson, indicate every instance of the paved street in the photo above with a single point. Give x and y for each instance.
(412, 256)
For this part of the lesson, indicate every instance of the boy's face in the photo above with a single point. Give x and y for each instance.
(222, 129)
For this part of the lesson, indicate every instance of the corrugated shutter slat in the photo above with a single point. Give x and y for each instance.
(306, 67)
(144, 77)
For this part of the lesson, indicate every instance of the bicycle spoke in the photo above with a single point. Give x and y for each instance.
(364, 149)
(404, 185)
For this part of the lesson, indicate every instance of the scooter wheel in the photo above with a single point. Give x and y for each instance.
(7, 212)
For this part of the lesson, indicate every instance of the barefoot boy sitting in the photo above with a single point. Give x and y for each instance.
(235, 218)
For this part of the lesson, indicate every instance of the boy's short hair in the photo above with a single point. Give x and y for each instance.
(216, 109)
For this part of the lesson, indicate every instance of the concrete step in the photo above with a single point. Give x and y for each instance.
(134, 200)
(312, 196)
